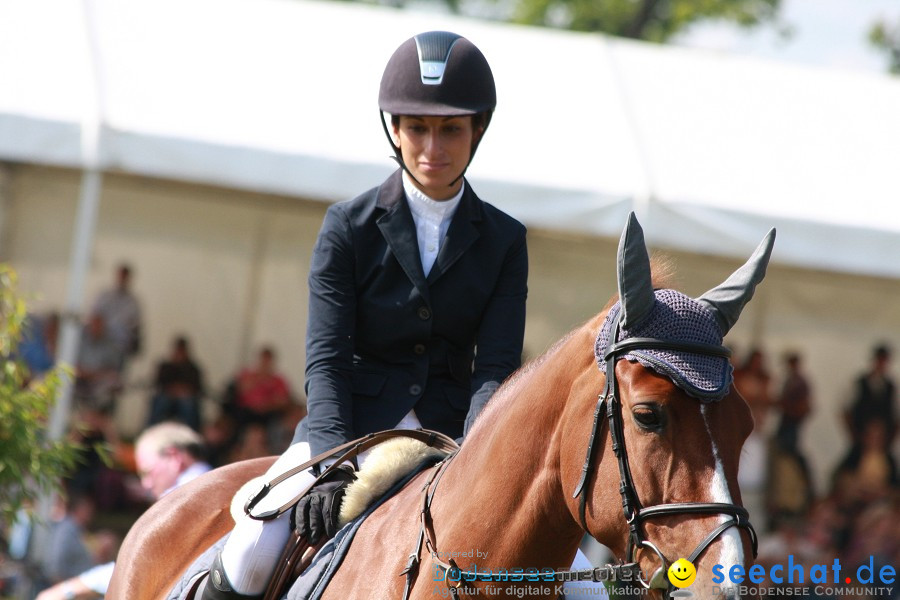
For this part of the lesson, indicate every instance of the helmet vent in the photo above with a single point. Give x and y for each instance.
(434, 52)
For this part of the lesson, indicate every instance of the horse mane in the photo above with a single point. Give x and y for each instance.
(663, 276)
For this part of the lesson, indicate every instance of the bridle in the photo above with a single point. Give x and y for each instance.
(609, 404)
(635, 513)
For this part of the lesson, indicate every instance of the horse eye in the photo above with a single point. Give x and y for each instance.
(648, 417)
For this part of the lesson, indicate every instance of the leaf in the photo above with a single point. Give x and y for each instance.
(31, 464)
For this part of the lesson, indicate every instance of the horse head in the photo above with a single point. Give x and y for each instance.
(672, 422)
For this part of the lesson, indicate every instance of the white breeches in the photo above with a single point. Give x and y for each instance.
(254, 547)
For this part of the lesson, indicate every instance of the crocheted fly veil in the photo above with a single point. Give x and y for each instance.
(665, 314)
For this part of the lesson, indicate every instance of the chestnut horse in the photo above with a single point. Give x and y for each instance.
(506, 499)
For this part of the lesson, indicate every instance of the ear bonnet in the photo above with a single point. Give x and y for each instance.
(666, 314)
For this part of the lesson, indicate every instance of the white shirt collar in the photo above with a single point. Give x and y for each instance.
(425, 207)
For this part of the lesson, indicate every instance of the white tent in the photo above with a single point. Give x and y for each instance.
(279, 96)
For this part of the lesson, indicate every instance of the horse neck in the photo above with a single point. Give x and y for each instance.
(503, 492)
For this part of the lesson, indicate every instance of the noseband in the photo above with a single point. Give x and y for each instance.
(635, 513)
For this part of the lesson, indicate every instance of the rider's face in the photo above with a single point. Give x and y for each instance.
(436, 150)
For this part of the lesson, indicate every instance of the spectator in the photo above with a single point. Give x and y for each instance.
(790, 492)
(220, 437)
(868, 472)
(752, 472)
(753, 382)
(93, 475)
(122, 313)
(261, 396)
(252, 443)
(179, 388)
(795, 402)
(38, 347)
(97, 378)
(67, 553)
(875, 535)
(873, 399)
(262, 391)
(168, 455)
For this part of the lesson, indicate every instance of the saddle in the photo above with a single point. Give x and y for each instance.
(396, 453)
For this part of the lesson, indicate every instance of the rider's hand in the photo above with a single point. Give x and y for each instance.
(317, 514)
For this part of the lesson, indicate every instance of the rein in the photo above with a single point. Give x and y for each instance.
(453, 573)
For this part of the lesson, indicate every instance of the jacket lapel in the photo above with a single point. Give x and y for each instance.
(461, 235)
(398, 228)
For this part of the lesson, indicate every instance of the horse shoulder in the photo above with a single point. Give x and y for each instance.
(173, 532)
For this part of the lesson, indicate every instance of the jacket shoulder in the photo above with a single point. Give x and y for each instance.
(501, 220)
(355, 207)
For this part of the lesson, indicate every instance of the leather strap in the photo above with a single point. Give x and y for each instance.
(452, 572)
(341, 454)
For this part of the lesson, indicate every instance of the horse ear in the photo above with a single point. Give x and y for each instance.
(633, 274)
(727, 300)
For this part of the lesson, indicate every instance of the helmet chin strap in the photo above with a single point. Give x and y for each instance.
(398, 156)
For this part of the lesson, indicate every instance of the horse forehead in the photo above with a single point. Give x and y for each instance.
(721, 421)
(642, 384)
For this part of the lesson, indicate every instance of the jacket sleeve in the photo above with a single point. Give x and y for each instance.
(498, 346)
(330, 333)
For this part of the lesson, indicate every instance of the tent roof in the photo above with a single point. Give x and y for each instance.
(280, 96)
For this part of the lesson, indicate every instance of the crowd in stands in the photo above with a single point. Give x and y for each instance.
(254, 414)
(856, 516)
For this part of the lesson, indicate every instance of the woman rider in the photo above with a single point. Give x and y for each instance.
(417, 297)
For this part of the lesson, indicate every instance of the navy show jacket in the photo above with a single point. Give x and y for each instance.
(383, 339)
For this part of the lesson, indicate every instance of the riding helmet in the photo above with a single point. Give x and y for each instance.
(437, 73)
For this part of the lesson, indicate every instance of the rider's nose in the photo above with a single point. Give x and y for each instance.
(432, 143)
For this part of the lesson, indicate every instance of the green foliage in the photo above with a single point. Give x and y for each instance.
(886, 37)
(651, 20)
(30, 463)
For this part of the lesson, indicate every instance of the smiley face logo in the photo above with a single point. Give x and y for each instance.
(682, 573)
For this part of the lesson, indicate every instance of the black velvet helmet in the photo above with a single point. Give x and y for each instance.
(437, 73)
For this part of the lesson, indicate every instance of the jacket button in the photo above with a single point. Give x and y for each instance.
(419, 348)
(415, 389)
(424, 313)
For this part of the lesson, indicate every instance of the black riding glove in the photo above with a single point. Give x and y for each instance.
(317, 514)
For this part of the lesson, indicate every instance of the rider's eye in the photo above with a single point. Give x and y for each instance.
(648, 417)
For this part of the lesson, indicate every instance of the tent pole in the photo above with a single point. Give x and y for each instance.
(254, 285)
(85, 223)
(5, 202)
(79, 263)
